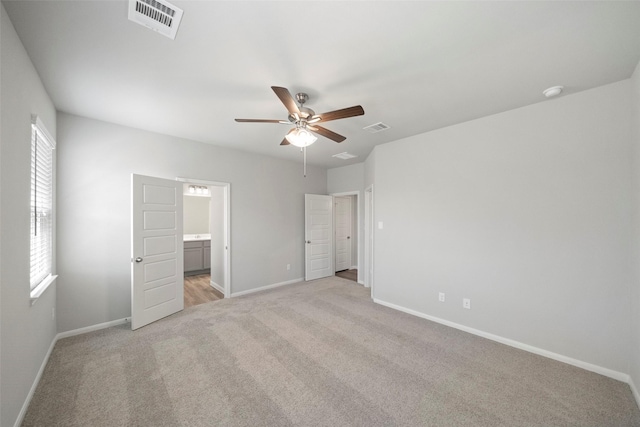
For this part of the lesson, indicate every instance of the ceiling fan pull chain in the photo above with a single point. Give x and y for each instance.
(304, 154)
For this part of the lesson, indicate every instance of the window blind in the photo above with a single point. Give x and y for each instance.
(42, 146)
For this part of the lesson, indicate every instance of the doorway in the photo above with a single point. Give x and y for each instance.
(346, 241)
(206, 241)
(200, 215)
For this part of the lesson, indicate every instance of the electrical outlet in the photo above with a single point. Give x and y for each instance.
(441, 297)
(288, 266)
(466, 303)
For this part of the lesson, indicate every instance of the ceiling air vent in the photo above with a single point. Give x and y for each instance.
(159, 15)
(344, 156)
(377, 127)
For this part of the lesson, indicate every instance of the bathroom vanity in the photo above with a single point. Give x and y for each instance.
(197, 254)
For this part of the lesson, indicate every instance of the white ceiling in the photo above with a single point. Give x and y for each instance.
(416, 66)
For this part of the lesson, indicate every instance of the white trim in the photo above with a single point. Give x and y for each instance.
(41, 287)
(92, 328)
(353, 267)
(634, 390)
(526, 347)
(264, 288)
(361, 282)
(369, 236)
(36, 381)
(201, 181)
(217, 287)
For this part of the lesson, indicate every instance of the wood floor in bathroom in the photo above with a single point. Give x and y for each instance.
(197, 290)
(348, 274)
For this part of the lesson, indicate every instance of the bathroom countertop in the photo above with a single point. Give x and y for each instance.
(196, 237)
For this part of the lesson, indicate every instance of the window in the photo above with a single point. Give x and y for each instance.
(42, 203)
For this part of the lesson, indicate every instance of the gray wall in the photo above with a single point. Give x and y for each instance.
(346, 179)
(27, 331)
(370, 169)
(217, 235)
(267, 212)
(527, 213)
(635, 290)
(196, 214)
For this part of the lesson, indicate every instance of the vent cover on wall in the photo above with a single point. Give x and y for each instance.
(159, 15)
(377, 127)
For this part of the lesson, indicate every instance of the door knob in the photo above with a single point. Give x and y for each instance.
(138, 259)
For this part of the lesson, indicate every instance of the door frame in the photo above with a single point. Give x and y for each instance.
(369, 236)
(360, 278)
(227, 226)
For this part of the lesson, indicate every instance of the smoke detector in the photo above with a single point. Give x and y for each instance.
(158, 15)
(553, 91)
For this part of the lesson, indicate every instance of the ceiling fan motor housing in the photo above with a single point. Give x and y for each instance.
(305, 113)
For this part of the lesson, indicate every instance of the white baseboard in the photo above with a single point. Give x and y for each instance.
(217, 287)
(361, 282)
(61, 335)
(634, 390)
(512, 343)
(36, 381)
(353, 267)
(264, 288)
(92, 328)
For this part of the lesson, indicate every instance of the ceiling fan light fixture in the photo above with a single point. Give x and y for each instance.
(301, 137)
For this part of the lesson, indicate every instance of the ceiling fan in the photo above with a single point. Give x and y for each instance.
(305, 119)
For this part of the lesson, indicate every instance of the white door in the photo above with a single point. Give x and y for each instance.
(318, 226)
(343, 233)
(157, 276)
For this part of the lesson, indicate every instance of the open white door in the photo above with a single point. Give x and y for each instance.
(343, 233)
(318, 226)
(157, 276)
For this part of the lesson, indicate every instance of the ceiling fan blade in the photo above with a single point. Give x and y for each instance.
(287, 99)
(262, 121)
(339, 114)
(327, 133)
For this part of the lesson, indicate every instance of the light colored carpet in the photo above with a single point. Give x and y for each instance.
(313, 354)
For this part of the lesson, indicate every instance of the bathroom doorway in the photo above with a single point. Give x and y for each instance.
(205, 241)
